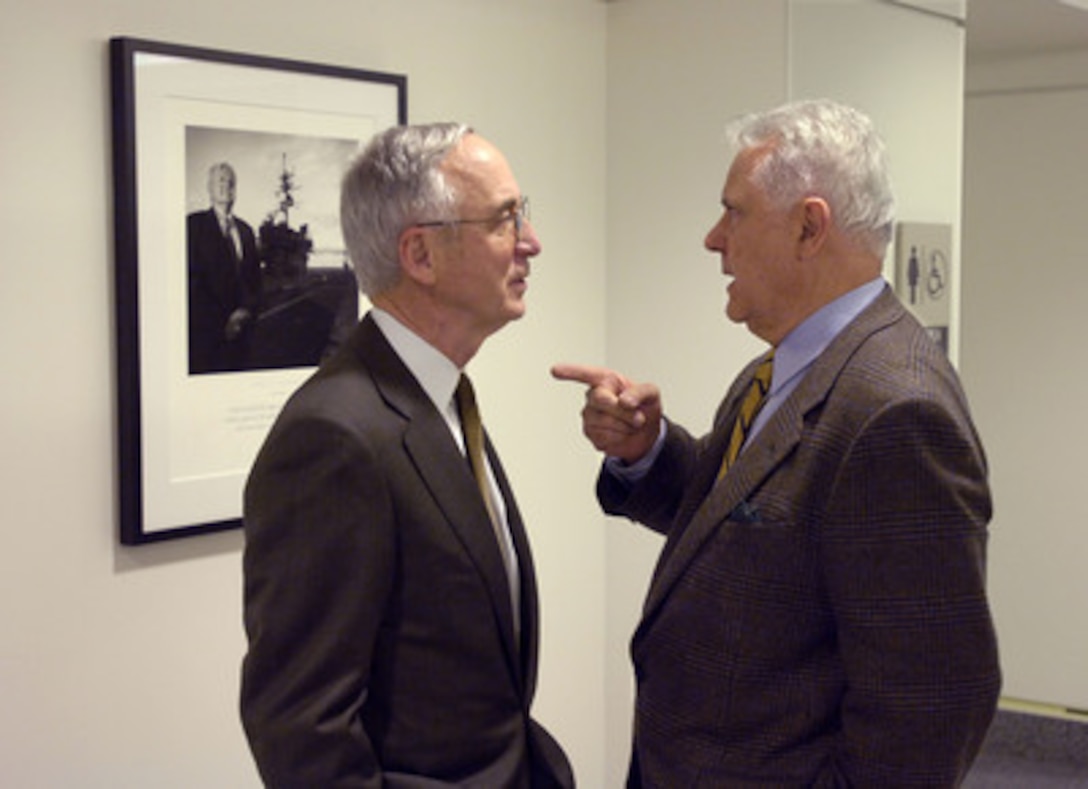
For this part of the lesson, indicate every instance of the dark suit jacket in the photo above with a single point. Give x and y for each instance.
(217, 286)
(381, 636)
(818, 618)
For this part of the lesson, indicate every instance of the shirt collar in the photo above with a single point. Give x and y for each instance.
(435, 372)
(809, 339)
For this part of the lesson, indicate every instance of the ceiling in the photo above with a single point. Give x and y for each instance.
(1004, 28)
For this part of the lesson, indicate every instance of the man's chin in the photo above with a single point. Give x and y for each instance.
(515, 309)
(511, 313)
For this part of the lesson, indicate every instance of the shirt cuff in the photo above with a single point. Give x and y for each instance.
(632, 473)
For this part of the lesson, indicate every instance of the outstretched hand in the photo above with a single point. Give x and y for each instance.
(620, 418)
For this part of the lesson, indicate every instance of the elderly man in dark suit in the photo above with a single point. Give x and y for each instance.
(390, 596)
(224, 280)
(818, 615)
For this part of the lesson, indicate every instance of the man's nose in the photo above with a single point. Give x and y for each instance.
(715, 237)
(528, 241)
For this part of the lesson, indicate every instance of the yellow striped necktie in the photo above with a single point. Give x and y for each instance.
(753, 401)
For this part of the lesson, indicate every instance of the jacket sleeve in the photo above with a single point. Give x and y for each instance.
(655, 500)
(904, 551)
(317, 572)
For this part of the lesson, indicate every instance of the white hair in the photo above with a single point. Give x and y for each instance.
(829, 150)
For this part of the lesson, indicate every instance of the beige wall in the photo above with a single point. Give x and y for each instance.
(1025, 236)
(118, 666)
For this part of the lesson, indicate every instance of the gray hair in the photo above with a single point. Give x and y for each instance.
(393, 183)
(829, 150)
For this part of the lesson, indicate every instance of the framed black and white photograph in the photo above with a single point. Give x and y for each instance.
(232, 282)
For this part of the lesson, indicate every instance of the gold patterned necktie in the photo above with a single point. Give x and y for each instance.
(472, 427)
(473, 430)
(753, 401)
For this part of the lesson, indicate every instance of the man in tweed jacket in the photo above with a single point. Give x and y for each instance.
(818, 615)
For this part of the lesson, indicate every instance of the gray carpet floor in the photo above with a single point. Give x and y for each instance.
(1025, 751)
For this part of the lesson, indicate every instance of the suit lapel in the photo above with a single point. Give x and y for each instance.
(708, 505)
(444, 471)
(526, 655)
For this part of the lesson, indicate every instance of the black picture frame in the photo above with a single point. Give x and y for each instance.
(188, 429)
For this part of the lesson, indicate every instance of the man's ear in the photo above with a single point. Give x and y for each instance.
(414, 249)
(815, 225)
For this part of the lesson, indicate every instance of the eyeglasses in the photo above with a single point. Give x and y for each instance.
(517, 212)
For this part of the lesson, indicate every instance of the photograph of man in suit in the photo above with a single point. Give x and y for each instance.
(224, 280)
(818, 614)
(392, 622)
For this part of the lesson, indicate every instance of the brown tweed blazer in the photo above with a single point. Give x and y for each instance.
(819, 617)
